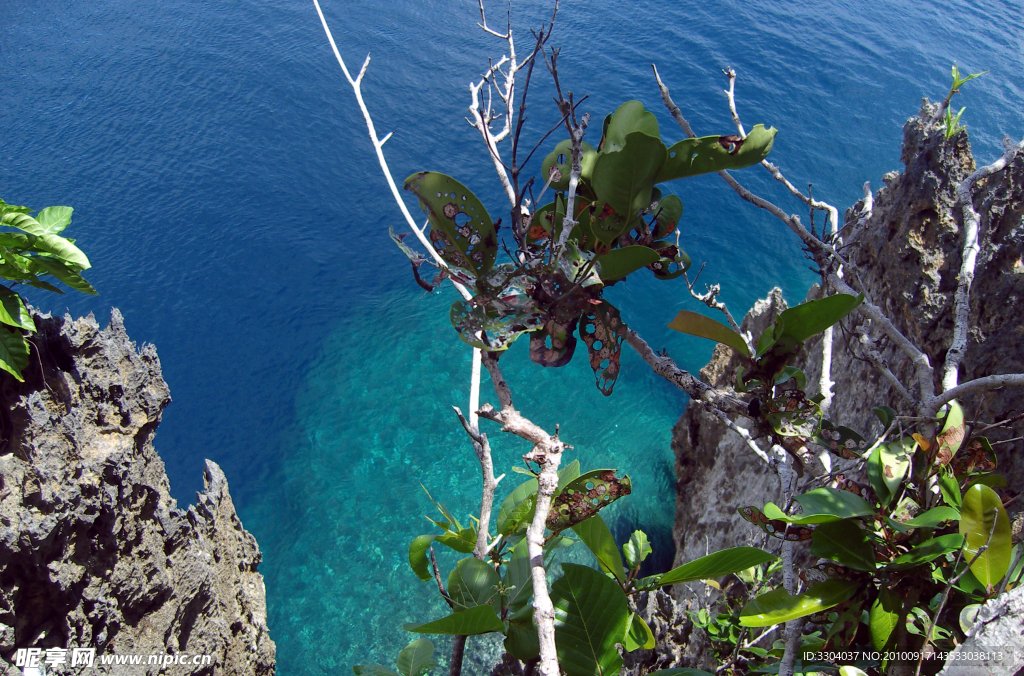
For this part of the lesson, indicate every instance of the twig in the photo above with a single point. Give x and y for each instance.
(962, 298)
(994, 382)
(437, 578)
(744, 434)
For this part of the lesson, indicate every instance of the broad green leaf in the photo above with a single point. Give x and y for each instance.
(54, 219)
(624, 179)
(695, 156)
(778, 606)
(843, 504)
(518, 575)
(63, 272)
(668, 213)
(461, 230)
(694, 324)
(637, 549)
(521, 640)
(585, 496)
(14, 353)
(775, 513)
(588, 156)
(983, 514)
(927, 551)
(64, 250)
(968, 616)
(595, 535)
(373, 670)
(463, 541)
(638, 634)
(630, 117)
(591, 614)
(416, 658)
(472, 583)
(620, 262)
(876, 477)
(844, 542)
(520, 516)
(950, 488)
(6, 208)
(885, 414)
(13, 311)
(792, 373)
(23, 222)
(933, 517)
(418, 556)
(884, 617)
(476, 620)
(716, 565)
(811, 318)
(522, 493)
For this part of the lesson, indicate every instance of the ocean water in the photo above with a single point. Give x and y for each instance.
(227, 195)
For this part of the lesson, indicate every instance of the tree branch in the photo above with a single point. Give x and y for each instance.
(962, 298)
(994, 382)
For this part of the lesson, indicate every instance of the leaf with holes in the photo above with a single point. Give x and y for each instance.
(673, 261)
(603, 331)
(559, 160)
(585, 496)
(695, 156)
(461, 230)
(694, 324)
(978, 456)
(492, 324)
(606, 224)
(591, 615)
(554, 344)
(624, 179)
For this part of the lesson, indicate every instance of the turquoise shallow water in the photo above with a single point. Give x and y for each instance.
(228, 198)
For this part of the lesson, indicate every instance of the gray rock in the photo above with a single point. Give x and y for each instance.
(94, 552)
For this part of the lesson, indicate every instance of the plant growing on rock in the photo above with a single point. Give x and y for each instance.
(32, 249)
(606, 221)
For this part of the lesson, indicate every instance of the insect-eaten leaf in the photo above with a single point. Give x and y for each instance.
(585, 497)
(492, 324)
(558, 164)
(603, 330)
(461, 230)
(554, 344)
(951, 436)
(842, 441)
(707, 154)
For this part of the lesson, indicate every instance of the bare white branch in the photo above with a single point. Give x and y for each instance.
(962, 298)
(744, 434)
(977, 385)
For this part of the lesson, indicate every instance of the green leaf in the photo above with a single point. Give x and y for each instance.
(811, 318)
(638, 634)
(716, 565)
(620, 262)
(927, 551)
(894, 459)
(14, 353)
(684, 671)
(54, 219)
(885, 414)
(500, 320)
(415, 658)
(461, 230)
(695, 156)
(877, 479)
(933, 517)
(983, 514)
(668, 213)
(637, 549)
(463, 541)
(844, 542)
(514, 514)
(521, 641)
(778, 606)
(373, 670)
(588, 156)
(968, 616)
(13, 311)
(595, 535)
(848, 670)
(952, 434)
(22, 221)
(624, 179)
(518, 575)
(694, 324)
(591, 615)
(472, 583)
(843, 504)
(950, 488)
(630, 117)
(64, 272)
(585, 496)
(476, 620)
(794, 374)
(64, 250)
(418, 556)
(884, 617)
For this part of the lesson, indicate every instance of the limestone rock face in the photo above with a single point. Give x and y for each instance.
(909, 251)
(94, 552)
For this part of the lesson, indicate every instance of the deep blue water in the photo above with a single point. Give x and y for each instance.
(227, 195)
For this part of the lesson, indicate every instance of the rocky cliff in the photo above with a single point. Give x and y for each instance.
(94, 552)
(909, 252)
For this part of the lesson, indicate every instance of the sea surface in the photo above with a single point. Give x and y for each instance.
(229, 199)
